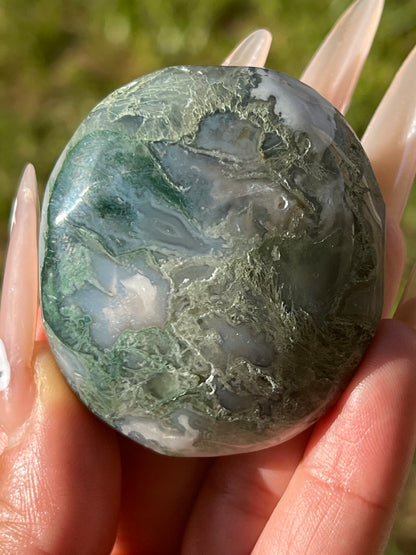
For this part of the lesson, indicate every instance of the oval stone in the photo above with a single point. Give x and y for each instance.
(212, 247)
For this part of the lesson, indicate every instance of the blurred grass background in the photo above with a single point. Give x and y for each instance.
(58, 58)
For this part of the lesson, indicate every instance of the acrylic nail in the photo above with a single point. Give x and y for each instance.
(336, 66)
(18, 309)
(390, 139)
(252, 51)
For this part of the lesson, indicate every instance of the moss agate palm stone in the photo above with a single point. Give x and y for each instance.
(212, 247)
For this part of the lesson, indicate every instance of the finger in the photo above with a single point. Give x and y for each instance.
(404, 521)
(343, 495)
(390, 139)
(336, 67)
(46, 488)
(60, 480)
(238, 497)
(252, 51)
(18, 310)
(157, 496)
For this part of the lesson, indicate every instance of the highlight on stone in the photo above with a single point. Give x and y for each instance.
(212, 259)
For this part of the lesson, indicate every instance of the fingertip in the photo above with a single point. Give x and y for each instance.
(344, 493)
(385, 378)
(394, 344)
(374, 421)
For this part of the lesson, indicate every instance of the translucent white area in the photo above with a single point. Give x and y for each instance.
(138, 305)
(121, 301)
(239, 340)
(174, 440)
(298, 110)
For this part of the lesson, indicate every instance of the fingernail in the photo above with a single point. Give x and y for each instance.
(390, 140)
(406, 309)
(336, 66)
(18, 307)
(252, 51)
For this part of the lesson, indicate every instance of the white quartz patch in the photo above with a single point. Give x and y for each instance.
(170, 440)
(122, 302)
(4, 368)
(138, 305)
(140, 288)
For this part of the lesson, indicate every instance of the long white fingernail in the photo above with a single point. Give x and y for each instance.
(252, 51)
(390, 139)
(336, 66)
(18, 310)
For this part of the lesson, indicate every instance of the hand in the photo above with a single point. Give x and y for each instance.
(69, 484)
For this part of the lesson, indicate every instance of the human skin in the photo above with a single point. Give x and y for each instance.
(69, 484)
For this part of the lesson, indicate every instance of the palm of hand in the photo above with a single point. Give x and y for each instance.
(69, 484)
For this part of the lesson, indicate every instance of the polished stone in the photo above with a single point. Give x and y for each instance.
(212, 247)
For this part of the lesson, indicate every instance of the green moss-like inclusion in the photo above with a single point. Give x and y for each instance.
(158, 371)
(119, 171)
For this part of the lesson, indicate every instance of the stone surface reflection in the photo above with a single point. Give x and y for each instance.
(212, 259)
